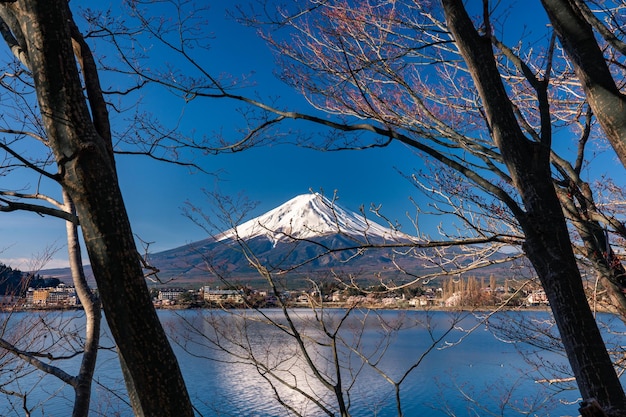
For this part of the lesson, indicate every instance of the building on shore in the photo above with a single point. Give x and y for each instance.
(61, 295)
(222, 296)
(170, 294)
(536, 298)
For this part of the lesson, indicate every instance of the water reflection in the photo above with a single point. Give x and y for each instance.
(264, 368)
(257, 358)
(253, 364)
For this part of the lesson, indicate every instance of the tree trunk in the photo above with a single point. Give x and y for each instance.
(549, 249)
(92, 308)
(595, 242)
(87, 173)
(591, 408)
(578, 40)
(547, 244)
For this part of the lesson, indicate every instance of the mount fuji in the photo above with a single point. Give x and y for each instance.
(307, 234)
(310, 216)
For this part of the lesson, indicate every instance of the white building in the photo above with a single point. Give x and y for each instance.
(170, 294)
(537, 297)
(223, 296)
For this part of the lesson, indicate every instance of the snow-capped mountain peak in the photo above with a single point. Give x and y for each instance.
(306, 216)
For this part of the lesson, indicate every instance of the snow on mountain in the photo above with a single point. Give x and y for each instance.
(330, 237)
(307, 216)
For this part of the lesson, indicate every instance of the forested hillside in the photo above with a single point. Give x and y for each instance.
(14, 281)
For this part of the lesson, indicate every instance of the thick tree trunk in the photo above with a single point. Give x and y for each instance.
(549, 249)
(87, 173)
(547, 245)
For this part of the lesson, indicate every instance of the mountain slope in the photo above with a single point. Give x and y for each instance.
(308, 232)
(306, 236)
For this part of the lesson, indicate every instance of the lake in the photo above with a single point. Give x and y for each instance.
(443, 363)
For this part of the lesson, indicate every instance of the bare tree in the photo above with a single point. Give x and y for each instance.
(510, 160)
(76, 128)
(372, 62)
(82, 381)
(359, 65)
(312, 359)
(318, 356)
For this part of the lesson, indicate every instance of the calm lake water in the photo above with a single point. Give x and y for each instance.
(441, 367)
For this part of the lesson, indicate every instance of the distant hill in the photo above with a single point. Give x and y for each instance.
(307, 235)
(16, 282)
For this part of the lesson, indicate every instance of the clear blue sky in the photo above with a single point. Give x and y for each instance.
(155, 192)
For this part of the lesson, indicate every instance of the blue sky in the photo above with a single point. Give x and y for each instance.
(155, 192)
(269, 175)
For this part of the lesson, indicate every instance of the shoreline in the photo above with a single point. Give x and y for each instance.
(305, 306)
(326, 305)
